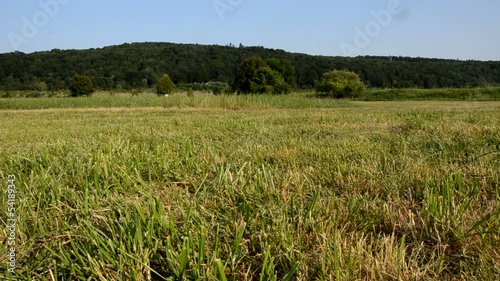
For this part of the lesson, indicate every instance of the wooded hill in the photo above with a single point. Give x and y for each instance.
(138, 65)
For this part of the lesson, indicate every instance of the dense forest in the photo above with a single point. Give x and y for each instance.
(139, 65)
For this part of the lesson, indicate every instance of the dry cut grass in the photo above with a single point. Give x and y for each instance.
(353, 191)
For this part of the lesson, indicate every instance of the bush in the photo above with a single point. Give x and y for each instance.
(246, 72)
(81, 85)
(135, 92)
(255, 76)
(268, 81)
(217, 87)
(165, 86)
(341, 84)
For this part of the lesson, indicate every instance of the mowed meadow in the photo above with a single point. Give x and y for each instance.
(251, 188)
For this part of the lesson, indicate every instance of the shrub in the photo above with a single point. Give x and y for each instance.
(165, 86)
(246, 72)
(256, 76)
(217, 87)
(268, 81)
(81, 85)
(341, 84)
(135, 92)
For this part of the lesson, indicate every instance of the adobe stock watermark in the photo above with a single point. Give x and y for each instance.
(11, 224)
(364, 36)
(32, 26)
(225, 6)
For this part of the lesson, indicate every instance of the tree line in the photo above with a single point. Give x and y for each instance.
(140, 65)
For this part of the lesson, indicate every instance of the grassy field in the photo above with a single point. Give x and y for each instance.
(175, 101)
(17, 99)
(250, 188)
(453, 94)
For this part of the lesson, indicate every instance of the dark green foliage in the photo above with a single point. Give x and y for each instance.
(81, 85)
(286, 68)
(257, 77)
(214, 87)
(139, 65)
(246, 72)
(268, 81)
(341, 84)
(165, 86)
(217, 87)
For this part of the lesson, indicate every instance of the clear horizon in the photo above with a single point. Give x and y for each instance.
(448, 29)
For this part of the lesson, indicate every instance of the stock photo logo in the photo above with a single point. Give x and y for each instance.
(223, 7)
(31, 26)
(372, 29)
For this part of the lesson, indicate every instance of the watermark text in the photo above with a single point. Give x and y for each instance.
(364, 36)
(31, 26)
(223, 7)
(11, 223)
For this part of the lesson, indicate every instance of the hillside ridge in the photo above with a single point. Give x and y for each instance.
(138, 65)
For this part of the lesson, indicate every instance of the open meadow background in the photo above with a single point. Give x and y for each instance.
(251, 188)
(250, 140)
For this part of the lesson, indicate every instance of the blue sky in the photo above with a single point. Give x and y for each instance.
(454, 29)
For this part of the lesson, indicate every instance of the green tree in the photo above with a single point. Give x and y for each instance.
(165, 86)
(81, 85)
(268, 81)
(12, 83)
(246, 72)
(256, 77)
(341, 84)
(286, 69)
(136, 65)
